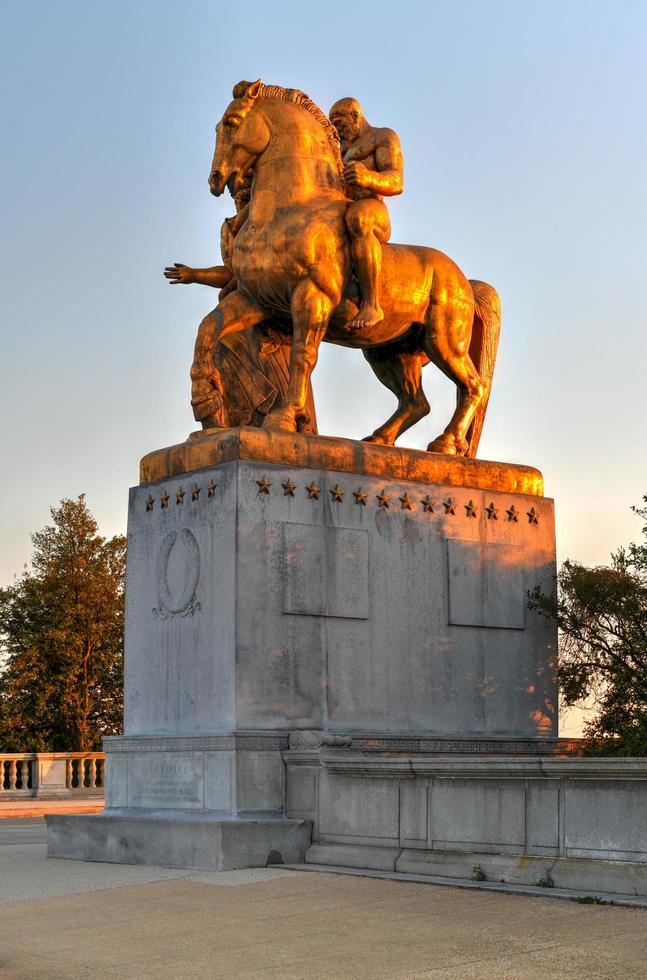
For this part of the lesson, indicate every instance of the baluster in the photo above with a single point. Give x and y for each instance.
(100, 769)
(3, 775)
(69, 773)
(24, 774)
(83, 769)
(93, 772)
(12, 774)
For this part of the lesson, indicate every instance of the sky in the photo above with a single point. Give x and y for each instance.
(525, 147)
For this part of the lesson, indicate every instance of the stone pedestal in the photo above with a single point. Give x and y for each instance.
(338, 586)
(329, 657)
(333, 589)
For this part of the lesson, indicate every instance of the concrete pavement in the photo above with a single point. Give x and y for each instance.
(72, 919)
(22, 832)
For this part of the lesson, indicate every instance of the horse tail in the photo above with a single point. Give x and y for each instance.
(483, 348)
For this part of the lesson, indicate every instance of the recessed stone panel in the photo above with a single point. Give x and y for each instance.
(606, 817)
(359, 809)
(325, 571)
(487, 585)
(117, 780)
(219, 780)
(301, 790)
(542, 815)
(478, 814)
(413, 812)
(166, 780)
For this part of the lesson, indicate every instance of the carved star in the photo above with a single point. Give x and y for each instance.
(179, 496)
(470, 509)
(383, 499)
(150, 503)
(361, 496)
(406, 501)
(195, 492)
(211, 488)
(163, 499)
(428, 505)
(450, 506)
(492, 512)
(313, 491)
(288, 488)
(513, 513)
(264, 485)
(533, 516)
(337, 494)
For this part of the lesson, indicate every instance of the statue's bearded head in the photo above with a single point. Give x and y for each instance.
(346, 116)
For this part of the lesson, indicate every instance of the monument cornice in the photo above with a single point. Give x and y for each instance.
(213, 447)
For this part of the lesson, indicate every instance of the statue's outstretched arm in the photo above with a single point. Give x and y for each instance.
(217, 275)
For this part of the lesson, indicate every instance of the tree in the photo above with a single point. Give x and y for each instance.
(61, 636)
(602, 617)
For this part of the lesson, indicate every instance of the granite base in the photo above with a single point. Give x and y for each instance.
(176, 839)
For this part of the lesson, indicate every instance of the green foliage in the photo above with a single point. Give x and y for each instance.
(602, 617)
(478, 874)
(546, 881)
(61, 638)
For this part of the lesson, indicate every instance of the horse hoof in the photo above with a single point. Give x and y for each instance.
(280, 421)
(443, 444)
(376, 440)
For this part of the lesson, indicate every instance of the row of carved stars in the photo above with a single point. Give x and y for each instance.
(180, 494)
(385, 500)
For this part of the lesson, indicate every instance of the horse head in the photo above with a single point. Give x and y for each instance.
(241, 137)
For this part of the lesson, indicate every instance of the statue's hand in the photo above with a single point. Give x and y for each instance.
(178, 273)
(357, 175)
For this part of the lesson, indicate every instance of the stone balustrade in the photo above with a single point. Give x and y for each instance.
(51, 775)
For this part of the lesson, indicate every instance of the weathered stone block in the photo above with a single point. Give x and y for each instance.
(176, 839)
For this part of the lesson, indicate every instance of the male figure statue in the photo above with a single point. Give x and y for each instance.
(373, 170)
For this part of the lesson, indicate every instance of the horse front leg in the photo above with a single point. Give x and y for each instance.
(311, 310)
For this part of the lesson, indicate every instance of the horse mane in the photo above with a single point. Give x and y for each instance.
(297, 97)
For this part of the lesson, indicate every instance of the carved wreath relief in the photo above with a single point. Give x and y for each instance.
(178, 573)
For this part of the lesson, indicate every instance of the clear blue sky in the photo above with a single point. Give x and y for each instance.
(524, 134)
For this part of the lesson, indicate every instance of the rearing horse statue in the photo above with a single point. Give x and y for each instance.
(291, 259)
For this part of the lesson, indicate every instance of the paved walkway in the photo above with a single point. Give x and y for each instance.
(14, 809)
(68, 919)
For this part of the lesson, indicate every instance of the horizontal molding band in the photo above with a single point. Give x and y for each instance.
(240, 741)
(404, 766)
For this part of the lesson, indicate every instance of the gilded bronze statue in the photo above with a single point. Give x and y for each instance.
(236, 380)
(312, 256)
